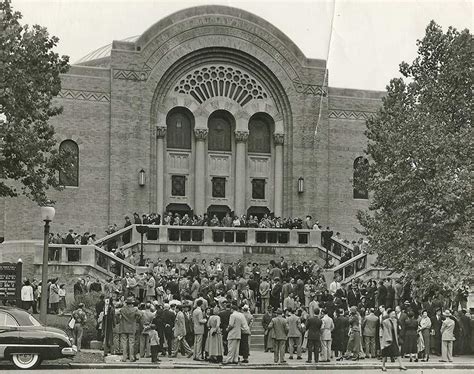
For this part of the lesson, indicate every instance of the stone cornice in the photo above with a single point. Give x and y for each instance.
(84, 95)
(350, 114)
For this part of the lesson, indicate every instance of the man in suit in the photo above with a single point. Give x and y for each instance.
(198, 322)
(436, 323)
(129, 316)
(179, 332)
(234, 334)
(381, 294)
(264, 294)
(447, 337)
(313, 326)
(369, 332)
(280, 334)
(69, 237)
(327, 326)
(266, 319)
(168, 317)
(294, 334)
(225, 317)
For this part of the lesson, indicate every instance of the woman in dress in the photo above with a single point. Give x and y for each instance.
(410, 345)
(354, 343)
(214, 345)
(424, 327)
(389, 342)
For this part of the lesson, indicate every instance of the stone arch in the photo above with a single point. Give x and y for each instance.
(179, 128)
(278, 106)
(261, 127)
(221, 124)
(226, 22)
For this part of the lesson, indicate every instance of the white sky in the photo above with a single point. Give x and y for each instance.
(369, 40)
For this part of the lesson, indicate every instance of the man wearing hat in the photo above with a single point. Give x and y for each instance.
(280, 331)
(129, 316)
(266, 319)
(80, 319)
(447, 337)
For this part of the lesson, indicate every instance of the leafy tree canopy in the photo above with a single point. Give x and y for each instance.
(29, 79)
(420, 148)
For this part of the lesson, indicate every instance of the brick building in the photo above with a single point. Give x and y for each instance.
(211, 109)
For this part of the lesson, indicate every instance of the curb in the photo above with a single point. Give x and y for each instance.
(259, 366)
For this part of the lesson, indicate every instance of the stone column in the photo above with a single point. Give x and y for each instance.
(200, 171)
(278, 139)
(160, 183)
(241, 137)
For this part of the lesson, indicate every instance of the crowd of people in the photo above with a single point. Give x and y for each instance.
(207, 311)
(72, 237)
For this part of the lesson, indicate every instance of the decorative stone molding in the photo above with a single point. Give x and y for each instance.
(201, 134)
(350, 114)
(278, 138)
(160, 131)
(84, 95)
(132, 75)
(221, 81)
(309, 89)
(241, 136)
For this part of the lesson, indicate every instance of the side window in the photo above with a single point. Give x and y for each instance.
(7, 320)
(70, 176)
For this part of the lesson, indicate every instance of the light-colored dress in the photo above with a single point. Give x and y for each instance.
(214, 345)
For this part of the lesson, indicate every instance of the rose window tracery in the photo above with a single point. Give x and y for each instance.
(219, 80)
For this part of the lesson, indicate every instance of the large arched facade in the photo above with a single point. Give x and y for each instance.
(221, 111)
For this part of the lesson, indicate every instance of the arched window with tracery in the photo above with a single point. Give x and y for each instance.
(220, 126)
(179, 123)
(70, 175)
(259, 134)
(360, 178)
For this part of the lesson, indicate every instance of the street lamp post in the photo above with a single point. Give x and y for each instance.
(47, 214)
(142, 230)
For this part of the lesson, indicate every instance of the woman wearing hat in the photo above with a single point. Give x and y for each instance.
(389, 342)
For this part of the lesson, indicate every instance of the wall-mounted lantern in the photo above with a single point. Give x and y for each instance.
(300, 185)
(141, 178)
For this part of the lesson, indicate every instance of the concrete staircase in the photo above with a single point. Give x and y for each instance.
(256, 340)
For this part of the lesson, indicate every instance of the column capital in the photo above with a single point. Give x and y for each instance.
(278, 138)
(241, 136)
(160, 131)
(201, 134)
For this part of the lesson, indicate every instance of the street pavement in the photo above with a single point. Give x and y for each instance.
(259, 362)
(236, 370)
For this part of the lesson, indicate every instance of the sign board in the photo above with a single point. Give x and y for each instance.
(10, 281)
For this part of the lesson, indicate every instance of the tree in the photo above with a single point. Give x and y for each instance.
(419, 143)
(29, 80)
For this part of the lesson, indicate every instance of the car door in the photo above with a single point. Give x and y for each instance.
(9, 333)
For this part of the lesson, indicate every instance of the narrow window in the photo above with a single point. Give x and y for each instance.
(70, 176)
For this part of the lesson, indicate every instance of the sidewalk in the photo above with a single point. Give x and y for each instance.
(261, 360)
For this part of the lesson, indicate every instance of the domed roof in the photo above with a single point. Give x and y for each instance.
(102, 52)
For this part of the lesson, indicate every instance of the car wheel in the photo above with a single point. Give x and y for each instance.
(25, 360)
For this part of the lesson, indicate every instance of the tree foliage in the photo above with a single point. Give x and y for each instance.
(419, 145)
(29, 80)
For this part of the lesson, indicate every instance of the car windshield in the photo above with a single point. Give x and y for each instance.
(34, 321)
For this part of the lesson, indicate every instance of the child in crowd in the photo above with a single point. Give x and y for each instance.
(154, 343)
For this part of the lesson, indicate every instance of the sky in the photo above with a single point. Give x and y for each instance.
(364, 46)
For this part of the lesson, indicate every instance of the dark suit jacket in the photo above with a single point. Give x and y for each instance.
(313, 325)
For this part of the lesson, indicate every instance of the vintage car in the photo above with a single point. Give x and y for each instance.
(26, 342)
